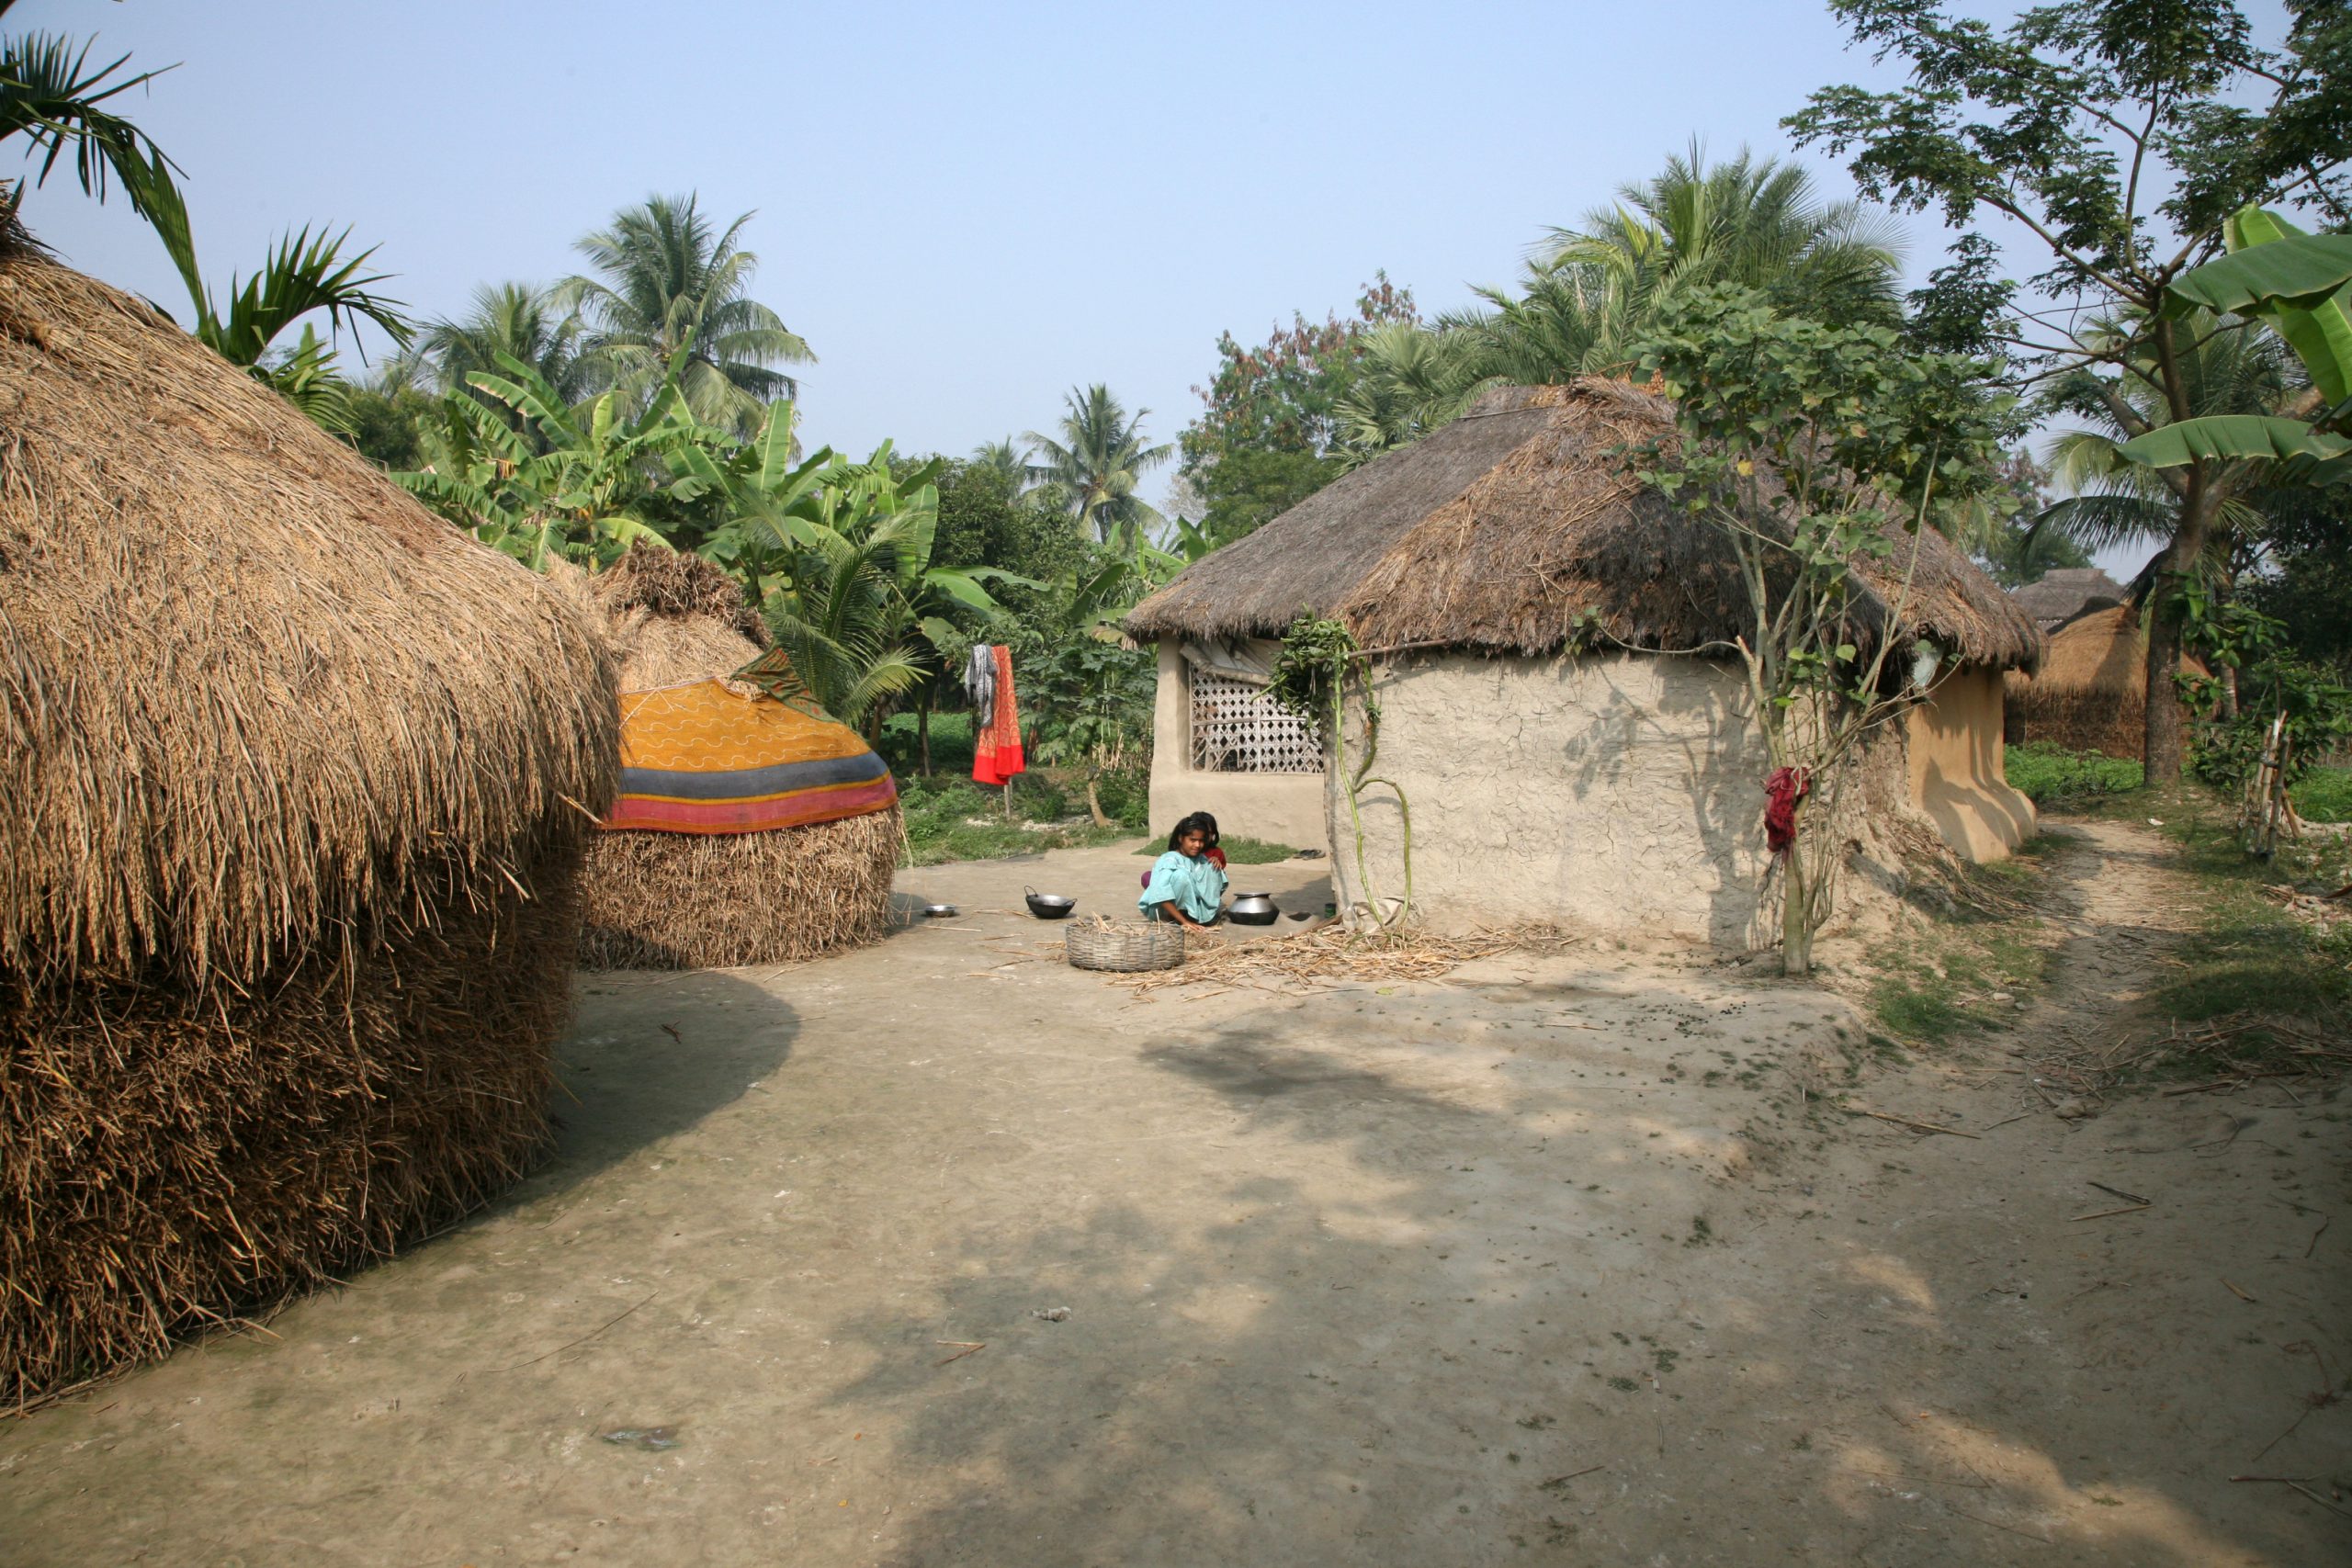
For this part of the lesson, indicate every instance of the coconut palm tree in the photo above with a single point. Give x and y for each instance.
(1008, 459)
(508, 320)
(667, 280)
(1095, 469)
(1589, 292)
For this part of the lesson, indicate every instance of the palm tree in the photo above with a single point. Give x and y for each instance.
(50, 95)
(2230, 366)
(508, 320)
(1590, 292)
(1008, 459)
(1095, 469)
(668, 281)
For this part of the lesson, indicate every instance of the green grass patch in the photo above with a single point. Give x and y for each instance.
(2324, 795)
(1971, 960)
(2249, 955)
(1238, 851)
(956, 819)
(2054, 778)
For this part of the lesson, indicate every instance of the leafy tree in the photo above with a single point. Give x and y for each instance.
(1810, 449)
(1283, 396)
(1095, 470)
(2308, 578)
(1592, 291)
(1999, 534)
(668, 282)
(389, 408)
(2114, 133)
(984, 520)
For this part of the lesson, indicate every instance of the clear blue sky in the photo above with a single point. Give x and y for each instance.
(964, 209)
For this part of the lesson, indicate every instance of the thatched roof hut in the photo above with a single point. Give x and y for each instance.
(713, 900)
(2091, 691)
(298, 782)
(1499, 530)
(1552, 774)
(2057, 597)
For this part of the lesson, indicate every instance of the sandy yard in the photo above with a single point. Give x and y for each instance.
(1545, 1262)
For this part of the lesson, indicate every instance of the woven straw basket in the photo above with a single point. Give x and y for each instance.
(1139, 944)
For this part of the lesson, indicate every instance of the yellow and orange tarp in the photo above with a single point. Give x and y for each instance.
(702, 758)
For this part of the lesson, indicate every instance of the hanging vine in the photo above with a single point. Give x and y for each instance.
(1320, 662)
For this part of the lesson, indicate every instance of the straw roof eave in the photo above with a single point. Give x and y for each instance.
(1511, 529)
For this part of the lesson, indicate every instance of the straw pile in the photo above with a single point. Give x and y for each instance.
(2091, 692)
(297, 779)
(692, 901)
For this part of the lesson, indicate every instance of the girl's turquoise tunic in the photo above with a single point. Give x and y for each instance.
(1193, 885)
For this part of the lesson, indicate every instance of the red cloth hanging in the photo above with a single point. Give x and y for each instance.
(1781, 793)
(996, 751)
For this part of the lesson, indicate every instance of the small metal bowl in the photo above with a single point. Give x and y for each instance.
(938, 911)
(1049, 905)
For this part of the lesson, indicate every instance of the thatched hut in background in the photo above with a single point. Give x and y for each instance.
(298, 780)
(2091, 692)
(1614, 789)
(2057, 597)
(750, 829)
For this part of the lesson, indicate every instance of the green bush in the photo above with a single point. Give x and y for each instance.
(1125, 794)
(2324, 795)
(2051, 775)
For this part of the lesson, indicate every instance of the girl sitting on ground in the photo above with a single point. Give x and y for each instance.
(1186, 886)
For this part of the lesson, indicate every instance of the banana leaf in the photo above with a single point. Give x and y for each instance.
(2231, 435)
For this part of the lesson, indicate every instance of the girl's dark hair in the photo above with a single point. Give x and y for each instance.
(1199, 821)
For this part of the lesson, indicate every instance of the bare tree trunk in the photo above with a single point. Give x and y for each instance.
(2164, 741)
(1094, 803)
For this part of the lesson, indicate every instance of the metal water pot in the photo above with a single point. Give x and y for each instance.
(1252, 910)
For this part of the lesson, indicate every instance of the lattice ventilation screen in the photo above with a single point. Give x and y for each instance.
(1237, 728)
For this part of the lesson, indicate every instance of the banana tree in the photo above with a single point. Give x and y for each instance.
(2300, 286)
(585, 483)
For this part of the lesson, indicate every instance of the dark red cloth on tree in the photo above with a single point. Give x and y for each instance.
(1781, 793)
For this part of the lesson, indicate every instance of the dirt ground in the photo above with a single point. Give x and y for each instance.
(1547, 1262)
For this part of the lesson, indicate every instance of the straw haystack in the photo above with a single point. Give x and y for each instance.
(2091, 692)
(297, 782)
(668, 901)
(1553, 773)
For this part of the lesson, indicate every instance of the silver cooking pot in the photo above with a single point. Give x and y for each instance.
(1252, 910)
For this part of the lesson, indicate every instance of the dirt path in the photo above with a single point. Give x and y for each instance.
(1547, 1262)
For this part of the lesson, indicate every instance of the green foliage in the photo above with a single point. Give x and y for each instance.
(2324, 795)
(2117, 138)
(2271, 684)
(51, 96)
(955, 820)
(669, 284)
(584, 484)
(1321, 666)
(2056, 778)
(1795, 440)
(2250, 956)
(1592, 292)
(1093, 472)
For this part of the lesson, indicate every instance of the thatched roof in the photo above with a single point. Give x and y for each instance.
(2103, 652)
(255, 701)
(1500, 530)
(2060, 596)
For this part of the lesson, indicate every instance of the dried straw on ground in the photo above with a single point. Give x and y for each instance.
(694, 901)
(2091, 692)
(297, 782)
(1501, 531)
